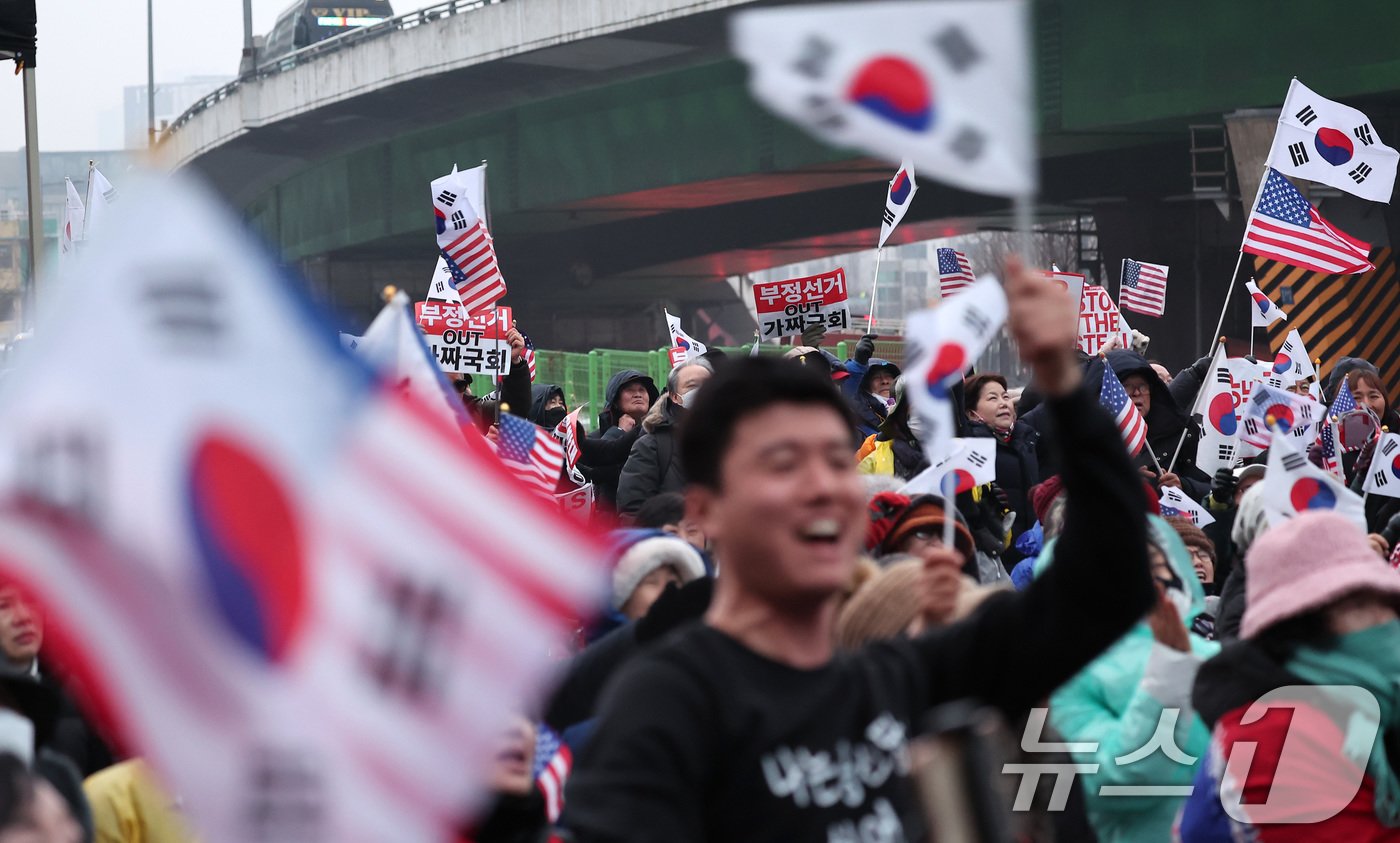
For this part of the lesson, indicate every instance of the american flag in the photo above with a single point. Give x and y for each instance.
(954, 272)
(1114, 398)
(1144, 287)
(1285, 227)
(553, 761)
(1327, 447)
(530, 451)
(466, 245)
(529, 356)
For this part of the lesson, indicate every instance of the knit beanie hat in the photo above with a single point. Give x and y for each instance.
(1192, 535)
(1044, 493)
(894, 516)
(1251, 519)
(640, 557)
(883, 608)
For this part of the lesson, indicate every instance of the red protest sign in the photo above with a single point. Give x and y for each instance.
(464, 344)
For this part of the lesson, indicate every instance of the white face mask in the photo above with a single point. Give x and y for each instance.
(17, 735)
(687, 399)
(916, 425)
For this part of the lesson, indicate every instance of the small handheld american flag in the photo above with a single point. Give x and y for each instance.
(530, 451)
(1114, 398)
(553, 761)
(1143, 288)
(954, 272)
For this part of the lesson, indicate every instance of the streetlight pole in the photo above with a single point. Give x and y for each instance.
(150, 75)
(36, 192)
(248, 57)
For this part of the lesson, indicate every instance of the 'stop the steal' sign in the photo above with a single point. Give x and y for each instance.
(466, 344)
(1099, 320)
(787, 308)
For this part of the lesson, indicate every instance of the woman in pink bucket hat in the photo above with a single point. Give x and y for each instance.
(1305, 707)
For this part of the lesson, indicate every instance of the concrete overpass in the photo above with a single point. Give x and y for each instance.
(627, 161)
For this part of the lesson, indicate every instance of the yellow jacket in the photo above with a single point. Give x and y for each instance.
(129, 807)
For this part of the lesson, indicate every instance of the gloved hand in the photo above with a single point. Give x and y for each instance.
(865, 349)
(1140, 341)
(999, 494)
(814, 334)
(1222, 486)
(1201, 368)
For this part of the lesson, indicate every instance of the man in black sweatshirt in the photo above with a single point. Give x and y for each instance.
(748, 727)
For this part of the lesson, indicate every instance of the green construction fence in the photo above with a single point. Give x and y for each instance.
(584, 375)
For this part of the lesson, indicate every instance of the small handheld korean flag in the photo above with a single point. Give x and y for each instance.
(1220, 424)
(1324, 141)
(1292, 364)
(941, 344)
(1175, 502)
(1264, 312)
(1384, 476)
(394, 345)
(1272, 411)
(683, 346)
(944, 85)
(1293, 485)
(897, 200)
(969, 463)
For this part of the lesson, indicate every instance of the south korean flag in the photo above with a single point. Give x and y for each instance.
(1383, 477)
(1324, 141)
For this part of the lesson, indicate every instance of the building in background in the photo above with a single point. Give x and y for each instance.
(172, 98)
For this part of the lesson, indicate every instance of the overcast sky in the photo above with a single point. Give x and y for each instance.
(90, 49)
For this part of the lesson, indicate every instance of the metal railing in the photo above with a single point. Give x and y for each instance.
(344, 41)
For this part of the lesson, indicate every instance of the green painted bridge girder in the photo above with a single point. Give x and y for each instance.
(1111, 73)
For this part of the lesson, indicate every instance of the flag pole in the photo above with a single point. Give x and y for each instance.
(874, 291)
(950, 511)
(92, 165)
(1224, 308)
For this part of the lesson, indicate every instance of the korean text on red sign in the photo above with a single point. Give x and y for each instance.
(787, 308)
(466, 344)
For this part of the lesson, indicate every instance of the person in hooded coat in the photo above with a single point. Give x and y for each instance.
(1117, 703)
(653, 467)
(549, 407)
(616, 420)
(869, 387)
(1166, 421)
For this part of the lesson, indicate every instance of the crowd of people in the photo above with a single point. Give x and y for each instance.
(783, 617)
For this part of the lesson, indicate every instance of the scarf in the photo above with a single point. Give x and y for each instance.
(1370, 659)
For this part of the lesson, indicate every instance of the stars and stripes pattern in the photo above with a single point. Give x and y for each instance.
(1284, 226)
(1114, 398)
(553, 762)
(531, 452)
(1143, 288)
(954, 272)
(465, 244)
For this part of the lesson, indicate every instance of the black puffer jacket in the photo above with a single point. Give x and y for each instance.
(1165, 423)
(605, 464)
(1018, 467)
(653, 467)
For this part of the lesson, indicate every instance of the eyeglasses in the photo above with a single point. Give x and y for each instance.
(1137, 389)
(928, 534)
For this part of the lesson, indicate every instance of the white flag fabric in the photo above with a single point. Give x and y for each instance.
(393, 345)
(440, 288)
(1293, 485)
(1264, 312)
(944, 85)
(262, 560)
(1270, 411)
(940, 344)
(1176, 502)
(74, 219)
(1384, 475)
(897, 200)
(970, 462)
(465, 243)
(1292, 363)
(100, 196)
(1324, 141)
(683, 346)
(1217, 404)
